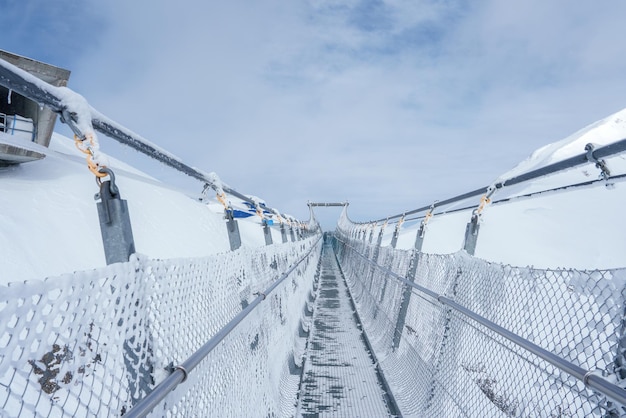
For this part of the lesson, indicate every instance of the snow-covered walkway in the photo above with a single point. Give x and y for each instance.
(339, 378)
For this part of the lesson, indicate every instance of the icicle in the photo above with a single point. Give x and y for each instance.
(9, 96)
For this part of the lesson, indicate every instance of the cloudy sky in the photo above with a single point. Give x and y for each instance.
(389, 104)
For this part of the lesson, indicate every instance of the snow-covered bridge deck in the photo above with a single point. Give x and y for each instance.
(340, 377)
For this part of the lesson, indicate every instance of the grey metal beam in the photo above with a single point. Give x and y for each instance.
(316, 204)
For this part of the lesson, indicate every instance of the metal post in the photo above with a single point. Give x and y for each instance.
(117, 237)
(267, 232)
(471, 235)
(394, 239)
(375, 256)
(117, 233)
(292, 234)
(619, 362)
(283, 233)
(396, 233)
(407, 291)
(444, 351)
(232, 227)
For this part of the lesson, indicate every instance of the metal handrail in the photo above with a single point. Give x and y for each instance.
(29, 86)
(589, 378)
(575, 161)
(546, 192)
(181, 372)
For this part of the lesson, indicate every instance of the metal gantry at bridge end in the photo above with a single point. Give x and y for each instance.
(322, 204)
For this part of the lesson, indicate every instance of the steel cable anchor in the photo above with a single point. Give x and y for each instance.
(484, 201)
(115, 224)
(601, 164)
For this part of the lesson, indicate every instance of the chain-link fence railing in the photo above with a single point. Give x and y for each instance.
(440, 362)
(94, 343)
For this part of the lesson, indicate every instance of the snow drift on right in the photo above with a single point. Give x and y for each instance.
(579, 227)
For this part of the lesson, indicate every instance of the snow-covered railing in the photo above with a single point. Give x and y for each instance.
(94, 343)
(114, 217)
(591, 155)
(83, 119)
(486, 339)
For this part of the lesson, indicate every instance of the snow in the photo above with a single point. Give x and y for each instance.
(579, 228)
(22, 143)
(50, 223)
(602, 132)
(97, 116)
(217, 184)
(50, 229)
(574, 310)
(54, 281)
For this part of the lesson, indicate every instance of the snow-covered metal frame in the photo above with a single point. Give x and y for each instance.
(485, 339)
(79, 115)
(95, 343)
(591, 155)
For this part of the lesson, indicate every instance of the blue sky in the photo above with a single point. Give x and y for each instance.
(388, 104)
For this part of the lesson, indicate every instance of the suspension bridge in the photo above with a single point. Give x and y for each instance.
(348, 323)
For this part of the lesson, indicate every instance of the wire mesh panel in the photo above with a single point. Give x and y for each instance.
(447, 364)
(94, 343)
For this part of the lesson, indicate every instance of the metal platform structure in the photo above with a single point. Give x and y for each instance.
(23, 119)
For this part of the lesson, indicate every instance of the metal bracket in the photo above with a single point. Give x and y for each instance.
(474, 223)
(68, 119)
(115, 192)
(471, 234)
(601, 164)
(204, 192)
(232, 227)
(185, 372)
(422, 229)
(115, 225)
(267, 233)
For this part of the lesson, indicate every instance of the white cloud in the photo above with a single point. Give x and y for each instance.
(387, 104)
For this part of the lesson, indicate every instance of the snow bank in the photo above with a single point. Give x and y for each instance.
(50, 224)
(580, 227)
(602, 132)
